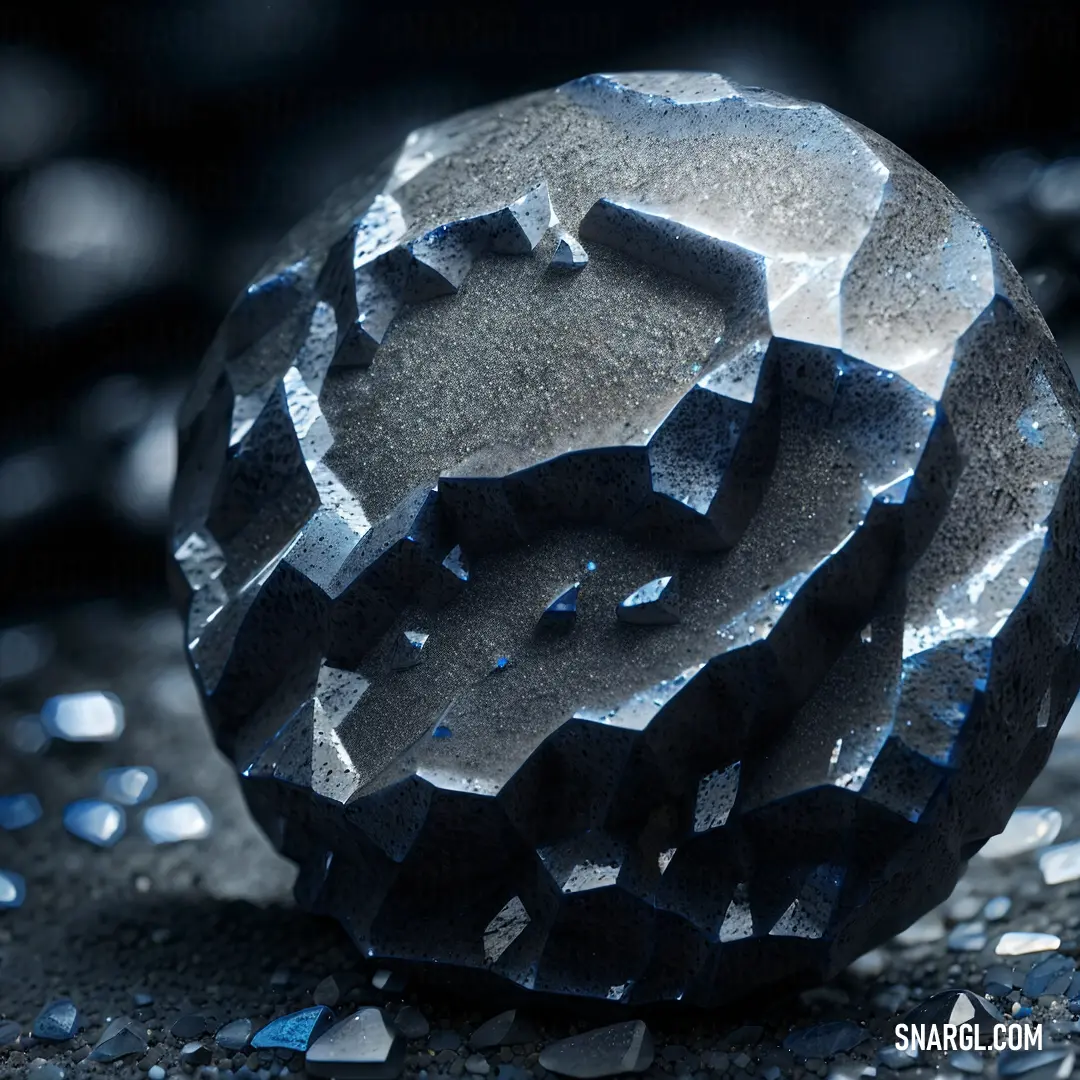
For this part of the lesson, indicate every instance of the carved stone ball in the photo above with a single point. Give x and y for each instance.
(629, 543)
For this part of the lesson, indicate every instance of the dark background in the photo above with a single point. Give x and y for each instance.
(151, 153)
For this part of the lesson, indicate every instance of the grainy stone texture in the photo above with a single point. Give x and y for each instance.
(797, 375)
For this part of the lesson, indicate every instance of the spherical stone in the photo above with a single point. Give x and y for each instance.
(789, 371)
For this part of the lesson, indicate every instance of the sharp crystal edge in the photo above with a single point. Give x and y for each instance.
(793, 374)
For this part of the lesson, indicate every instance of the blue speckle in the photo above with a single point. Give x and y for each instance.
(502, 662)
(441, 732)
(590, 566)
(695, 368)
(295, 1032)
(1022, 1012)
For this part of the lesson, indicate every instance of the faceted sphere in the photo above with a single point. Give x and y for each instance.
(629, 542)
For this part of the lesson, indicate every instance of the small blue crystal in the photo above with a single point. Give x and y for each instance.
(590, 566)
(93, 716)
(12, 889)
(562, 611)
(121, 1038)
(295, 1031)
(18, 811)
(96, 821)
(408, 649)
(455, 563)
(569, 254)
(130, 785)
(181, 819)
(441, 732)
(57, 1022)
(656, 603)
(502, 662)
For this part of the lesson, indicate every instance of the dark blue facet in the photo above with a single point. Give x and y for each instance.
(57, 1022)
(296, 1031)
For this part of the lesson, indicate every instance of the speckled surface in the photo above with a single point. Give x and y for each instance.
(795, 374)
(208, 927)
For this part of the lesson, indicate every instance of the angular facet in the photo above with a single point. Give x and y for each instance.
(606, 1051)
(181, 819)
(759, 421)
(235, 1035)
(130, 785)
(123, 1036)
(656, 603)
(88, 717)
(294, 1031)
(364, 1045)
(96, 821)
(57, 1022)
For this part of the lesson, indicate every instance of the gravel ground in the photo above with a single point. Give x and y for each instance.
(206, 932)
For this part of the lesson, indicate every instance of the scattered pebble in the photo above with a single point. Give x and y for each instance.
(181, 819)
(477, 1065)
(95, 821)
(44, 1070)
(606, 1051)
(93, 716)
(870, 965)
(363, 1046)
(57, 1022)
(122, 1037)
(12, 889)
(411, 1022)
(392, 982)
(1060, 863)
(1030, 827)
(968, 937)
(1022, 942)
(327, 993)
(294, 1031)
(998, 980)
(156, 1072)
(893, 1058)
(964, 908)
(28, 735)
(997, 908)
(930, 928)
(444, 1039)
(189, 1026)
(18, 811)
(130, 785)
(195, 1054)
(1049, 976)
(235, 1035)
(9, 1032)
(509, 1028)
(966, 1062)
